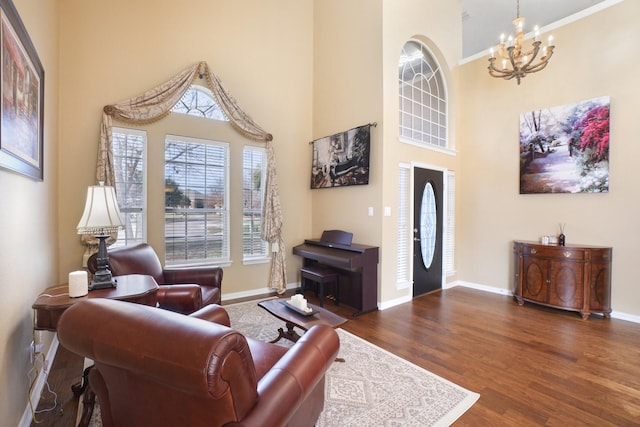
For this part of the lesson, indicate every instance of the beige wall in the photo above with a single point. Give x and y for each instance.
(305, 69)
(114, 50)
(28, 226)
(491, 213)
(347, 93)
(436, 24)
(356, 82)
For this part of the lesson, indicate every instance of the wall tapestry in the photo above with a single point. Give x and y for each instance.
(341, 159)
(565, 149)
(21, 116)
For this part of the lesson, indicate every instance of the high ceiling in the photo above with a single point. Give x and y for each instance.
(484, 20)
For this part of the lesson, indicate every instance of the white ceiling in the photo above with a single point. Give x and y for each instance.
(484, 20)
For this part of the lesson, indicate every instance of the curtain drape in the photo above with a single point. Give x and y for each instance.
(157, 103)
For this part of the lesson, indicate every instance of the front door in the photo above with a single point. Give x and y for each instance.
(427, 232)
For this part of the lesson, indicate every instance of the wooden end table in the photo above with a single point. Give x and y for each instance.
(292, 319)
(53, 301)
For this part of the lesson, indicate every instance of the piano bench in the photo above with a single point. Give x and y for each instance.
(320, 275)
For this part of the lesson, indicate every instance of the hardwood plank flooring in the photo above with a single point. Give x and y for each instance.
(533, 366)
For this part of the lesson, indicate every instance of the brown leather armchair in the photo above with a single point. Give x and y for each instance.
(183, 296)
(155, 367)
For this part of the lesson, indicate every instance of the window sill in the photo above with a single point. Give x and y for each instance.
(256, 260)
(225, 263)
(444, 150)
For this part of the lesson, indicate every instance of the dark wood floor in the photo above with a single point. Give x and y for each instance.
(532, 366)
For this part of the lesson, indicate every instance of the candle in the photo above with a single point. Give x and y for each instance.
(78, 284)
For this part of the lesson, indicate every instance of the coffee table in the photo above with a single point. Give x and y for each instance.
(292, 319)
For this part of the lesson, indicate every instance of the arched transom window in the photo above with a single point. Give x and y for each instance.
(199, 101)
(423, 97)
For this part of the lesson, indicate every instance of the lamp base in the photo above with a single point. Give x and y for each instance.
(112, 283)
(102, 280)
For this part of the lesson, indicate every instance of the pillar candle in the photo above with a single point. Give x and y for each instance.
(78, 284)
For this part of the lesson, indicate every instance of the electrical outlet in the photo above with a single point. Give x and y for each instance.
(34, 350)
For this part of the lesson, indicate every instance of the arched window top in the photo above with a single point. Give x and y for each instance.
(199, 101)
(423, 97)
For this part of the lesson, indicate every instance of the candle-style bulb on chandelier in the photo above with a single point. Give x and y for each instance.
(512, 59)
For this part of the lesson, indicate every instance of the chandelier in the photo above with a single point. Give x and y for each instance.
(515, 62)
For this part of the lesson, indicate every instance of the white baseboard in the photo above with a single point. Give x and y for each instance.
(614, 314)
(485, 288)
(41, 380)
(388, 304)
(255, 292)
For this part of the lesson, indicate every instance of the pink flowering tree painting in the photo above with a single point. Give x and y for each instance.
(565, 149)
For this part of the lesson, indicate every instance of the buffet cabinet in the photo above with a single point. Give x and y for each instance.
(572, 277)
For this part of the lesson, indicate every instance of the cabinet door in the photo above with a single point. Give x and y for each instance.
(600, 298)
(534, 280)
(566, 284)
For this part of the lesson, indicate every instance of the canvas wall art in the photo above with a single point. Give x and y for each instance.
(21, 104)
(341, 159)
(566, 149)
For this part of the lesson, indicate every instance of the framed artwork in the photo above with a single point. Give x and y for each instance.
(341, 159)
(566, 149)
(22, 89)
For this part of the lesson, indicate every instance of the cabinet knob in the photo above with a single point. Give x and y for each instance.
(534, 251)
(567, 254)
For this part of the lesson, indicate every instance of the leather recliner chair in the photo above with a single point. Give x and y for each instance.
(183, 296)
(159, 368)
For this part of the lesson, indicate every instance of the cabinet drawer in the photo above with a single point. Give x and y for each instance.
(552, 251)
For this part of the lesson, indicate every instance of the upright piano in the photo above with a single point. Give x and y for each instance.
(357, 265)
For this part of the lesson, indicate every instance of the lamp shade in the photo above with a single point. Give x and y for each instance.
(101, 213)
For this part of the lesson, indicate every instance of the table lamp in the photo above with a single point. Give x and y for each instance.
(101, 217)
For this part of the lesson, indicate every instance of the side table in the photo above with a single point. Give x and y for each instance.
(53, 301)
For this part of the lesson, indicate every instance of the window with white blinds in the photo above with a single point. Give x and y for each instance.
(196, 201)
(449, 243)
(129, 161)
(403, 268)
(254, 162)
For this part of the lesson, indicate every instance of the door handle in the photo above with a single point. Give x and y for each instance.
(415, 239)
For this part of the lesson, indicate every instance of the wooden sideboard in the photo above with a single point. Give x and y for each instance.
(572, 277)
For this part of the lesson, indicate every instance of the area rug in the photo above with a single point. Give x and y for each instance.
(372, 387)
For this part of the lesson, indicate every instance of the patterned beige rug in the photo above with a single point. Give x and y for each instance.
(373, 387)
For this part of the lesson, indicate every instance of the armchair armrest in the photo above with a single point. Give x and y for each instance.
(183, 299)
(213, 313)
(295, 377)
(209, 278)
(203, 276)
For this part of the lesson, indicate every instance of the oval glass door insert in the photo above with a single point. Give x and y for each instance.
(428, 224)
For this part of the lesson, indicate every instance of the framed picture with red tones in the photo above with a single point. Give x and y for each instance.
(22, 89)
(565, 149)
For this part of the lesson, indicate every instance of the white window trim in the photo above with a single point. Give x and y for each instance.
(262, 258)
(145, 210)
(450, 146)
